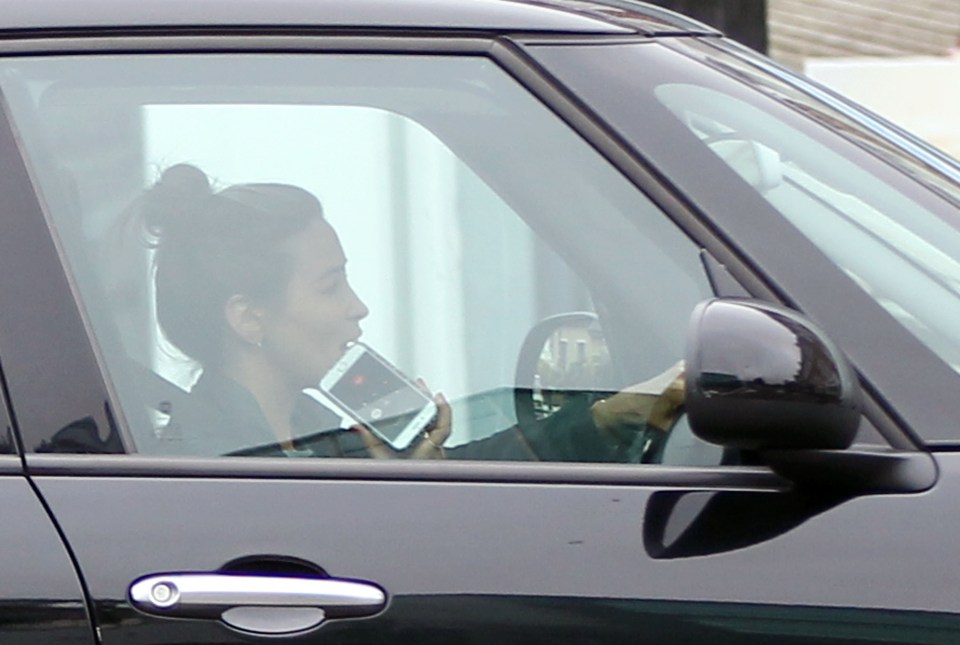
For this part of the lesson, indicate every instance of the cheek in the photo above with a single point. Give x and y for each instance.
(313, 323)
(317, 324)
(324, 316)
(306, 346)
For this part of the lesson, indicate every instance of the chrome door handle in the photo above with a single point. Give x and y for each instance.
(255, 603)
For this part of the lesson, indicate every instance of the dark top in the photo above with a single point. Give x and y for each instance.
(223, 418)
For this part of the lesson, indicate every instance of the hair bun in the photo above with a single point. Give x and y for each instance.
(174, 200)
(184, 179)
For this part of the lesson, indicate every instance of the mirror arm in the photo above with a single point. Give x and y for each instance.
(855, 472)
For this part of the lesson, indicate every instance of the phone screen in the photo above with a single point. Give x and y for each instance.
(378, 396)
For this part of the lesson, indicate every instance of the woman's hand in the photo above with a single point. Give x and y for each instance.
(669, 405)
(430, 446)
(375, 447)
(656, 403)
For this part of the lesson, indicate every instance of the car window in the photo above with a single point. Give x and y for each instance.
(904, 255)
(233, 224)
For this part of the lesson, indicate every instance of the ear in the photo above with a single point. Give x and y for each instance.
(244, 318)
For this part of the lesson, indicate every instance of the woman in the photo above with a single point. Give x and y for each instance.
(251, 283)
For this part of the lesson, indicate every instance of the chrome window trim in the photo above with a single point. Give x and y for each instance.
(11, 465)
(715, 477)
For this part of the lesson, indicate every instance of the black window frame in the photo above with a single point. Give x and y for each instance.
(69, 346)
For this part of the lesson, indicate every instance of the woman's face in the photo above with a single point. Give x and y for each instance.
(308, 331)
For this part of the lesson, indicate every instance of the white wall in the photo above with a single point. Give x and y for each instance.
(920, 94)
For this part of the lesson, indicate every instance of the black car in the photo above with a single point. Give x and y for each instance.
(694, 319)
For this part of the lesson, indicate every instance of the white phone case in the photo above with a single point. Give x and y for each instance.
(399, 440)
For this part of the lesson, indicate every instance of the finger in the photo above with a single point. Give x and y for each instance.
(432, 445)
(444, 425)
(676, 393)
(376, 447)
(420, 383)
(667, 410)
(427, 449)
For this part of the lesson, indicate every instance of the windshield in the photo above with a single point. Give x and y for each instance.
(879, 212)
(901, 253)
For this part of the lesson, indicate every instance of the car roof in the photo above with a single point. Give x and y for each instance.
(23, 17)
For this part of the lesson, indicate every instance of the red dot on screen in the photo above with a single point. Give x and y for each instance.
(359, 379)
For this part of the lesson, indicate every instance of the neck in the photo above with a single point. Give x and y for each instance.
(274, 393)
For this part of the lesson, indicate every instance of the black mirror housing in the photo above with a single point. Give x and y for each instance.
(762, 377)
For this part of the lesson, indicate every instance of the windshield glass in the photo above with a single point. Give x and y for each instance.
(901, 253)
(876, 209)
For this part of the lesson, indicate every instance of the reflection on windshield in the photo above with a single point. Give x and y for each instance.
(899, 252)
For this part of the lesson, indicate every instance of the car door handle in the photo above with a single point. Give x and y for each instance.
(256, 603)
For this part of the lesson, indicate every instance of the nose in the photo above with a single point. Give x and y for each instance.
(358, 309)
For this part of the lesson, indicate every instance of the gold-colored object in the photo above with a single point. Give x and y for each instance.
(657, 402)
(436, 446)
(426, 435)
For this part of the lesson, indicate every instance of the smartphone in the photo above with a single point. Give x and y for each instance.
(370, 389)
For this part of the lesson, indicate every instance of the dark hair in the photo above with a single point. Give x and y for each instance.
(212, 245)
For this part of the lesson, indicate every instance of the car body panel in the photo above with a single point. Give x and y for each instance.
(435, 561)
(480, 15)
(41, 597)
(468, 553)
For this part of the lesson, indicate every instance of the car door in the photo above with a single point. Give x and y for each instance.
(43, 599)
(473, 213)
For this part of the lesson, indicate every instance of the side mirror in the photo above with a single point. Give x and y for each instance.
(763, 378)
(759, 376)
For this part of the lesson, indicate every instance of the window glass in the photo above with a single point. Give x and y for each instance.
(235, 223)
(906, 256)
